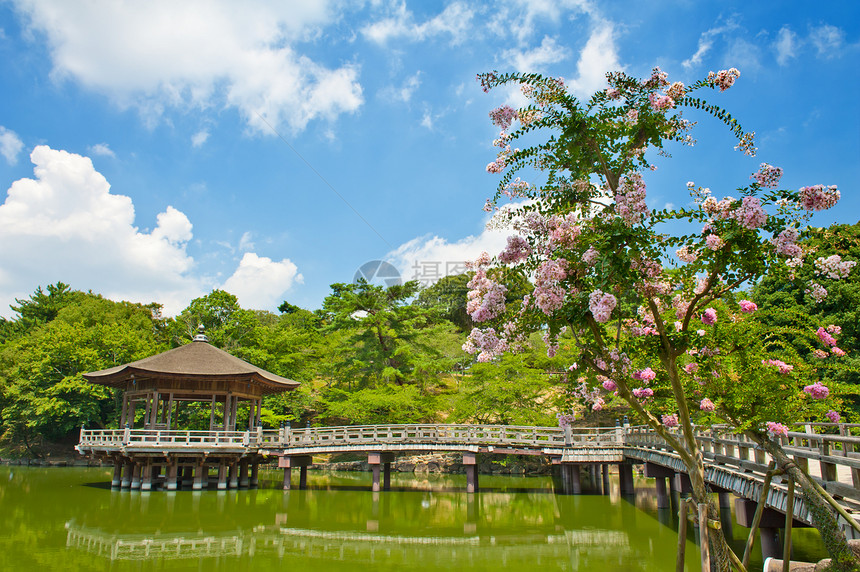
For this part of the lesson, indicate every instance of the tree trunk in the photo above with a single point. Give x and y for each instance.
(719, 547)
(823, 517)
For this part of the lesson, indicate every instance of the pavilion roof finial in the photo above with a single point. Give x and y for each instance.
(201, 334)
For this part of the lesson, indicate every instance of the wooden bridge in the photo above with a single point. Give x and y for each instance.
(734, 466)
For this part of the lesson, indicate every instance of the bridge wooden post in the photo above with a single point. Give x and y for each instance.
(376, 460)
(386, 476)
(470, 462)
(625, 478)
(172, 469)
(135, 477)
(117, 474)
(233, 475)
(222, 475)
(128, 469)
(287, 462)
(605, 478)
(660, 473)
(255, 473)
(575, 479)
(199, 472)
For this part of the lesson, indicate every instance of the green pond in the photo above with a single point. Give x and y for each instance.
(70, 519)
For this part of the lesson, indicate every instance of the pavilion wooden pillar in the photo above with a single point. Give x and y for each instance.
(117, 473)
(172, 473)
(255, 473)
(135, 477)
(199, 470)
(146, 475)
(126, 475)
(243, 473)
(234, 474)
(222, 475)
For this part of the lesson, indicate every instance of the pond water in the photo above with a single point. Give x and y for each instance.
(70, 519)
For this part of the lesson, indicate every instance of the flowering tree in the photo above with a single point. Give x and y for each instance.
(650, 304)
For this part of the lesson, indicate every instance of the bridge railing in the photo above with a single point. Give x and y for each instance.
(115, 438)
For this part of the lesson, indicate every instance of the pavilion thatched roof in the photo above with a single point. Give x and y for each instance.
(194, 362)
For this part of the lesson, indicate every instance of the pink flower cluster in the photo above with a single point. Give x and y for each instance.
(670, 420)
(833, 416)
(724, 79)
(747, 307)
(590, 256)
(601, 305)
(486, 342)
(818, 197)
(598, 404)
(714, 242)
(518, 249)
(687, 254)
(834, 267)
(565, 419)
(609, 385)
(785, 243)
(750, 214)
(777, 429)
(676, 91)
(747, 144)
(643, 392)
(784, 368)
(565, 231)
(837, 352)
(709, 317)
(660, 102)
(817, 390)
(657, 79)
(548, 293)
(825, 337)
(486, 299)
(707, 405)
(817, 291)
(767, 176)
(503, 116)
(645, 375)
(691, 367)
(630, 199)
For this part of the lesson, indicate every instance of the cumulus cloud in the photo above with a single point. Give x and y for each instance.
(827, 40)
(405, 91)
(597, 57)
(706, 42)
(521, 18)
(101, 149)
(10, 145)
(66, 224)
(197, 54)
(785, 45)
(454, 21)
(260, 283)
(199, 138)
(427, 258)
(534, 60)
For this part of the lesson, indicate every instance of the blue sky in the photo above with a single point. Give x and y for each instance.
(155, 151)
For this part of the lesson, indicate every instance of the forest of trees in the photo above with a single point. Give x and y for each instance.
(368, 355)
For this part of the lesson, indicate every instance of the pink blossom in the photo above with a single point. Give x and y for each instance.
(609, 385)
(784, 368)
(724, 79)
(834, 267)
(767, 176)
(709, 317)
(837, 352)
(612, 93)
(565, 419)
(817, 390)
(601, 305)
(643, 392)
(833, 416)
(691, 367)
(833, 329)
(818, 197)
(820, 354)
(486, 299)
(687, 254)
(825, 337)
(645, 375)
(817, 291)
(750, 214)
(777, 429)
(590, 256)
(630, 199)
(503, 116)
(486, 342)
(670, 420)
(518, 249)
(714, 242)
(660, 102)
(706, 405)
(598, 404)
(747, 307)
(785, 243)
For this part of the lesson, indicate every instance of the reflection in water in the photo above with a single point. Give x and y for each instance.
(54, 520)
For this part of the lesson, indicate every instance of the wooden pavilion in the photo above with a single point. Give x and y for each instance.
(196, 372)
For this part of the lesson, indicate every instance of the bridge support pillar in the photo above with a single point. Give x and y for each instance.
(187, 475)
(200, 473)
(625, 478)
(222, 475)
(662, 495)
(660, 473)
(683, 484)
(255, 474)
(470, 462)
(128, 469)
(594, 474)
(288, 462)
(117, 474)
(146, 476)
(376, 460)
(243, 473)
(605, 478)
(725, 500)
(233, 475)
(770, 544)
(172, 470)
(386, 476)
(135, 477)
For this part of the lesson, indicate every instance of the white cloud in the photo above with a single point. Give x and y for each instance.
(10, 145)
(455, 21)
(597, 57)
(706, 42)
(260, 283)
(246, 242)
(66, 224)
(427, 120)
(424, 255)
(785, 45)
(199, 138)
(743, 55)
(521, 18)
(101, 149)
(827, 40)
(405, 91)
(199, 53)
(534, 60)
